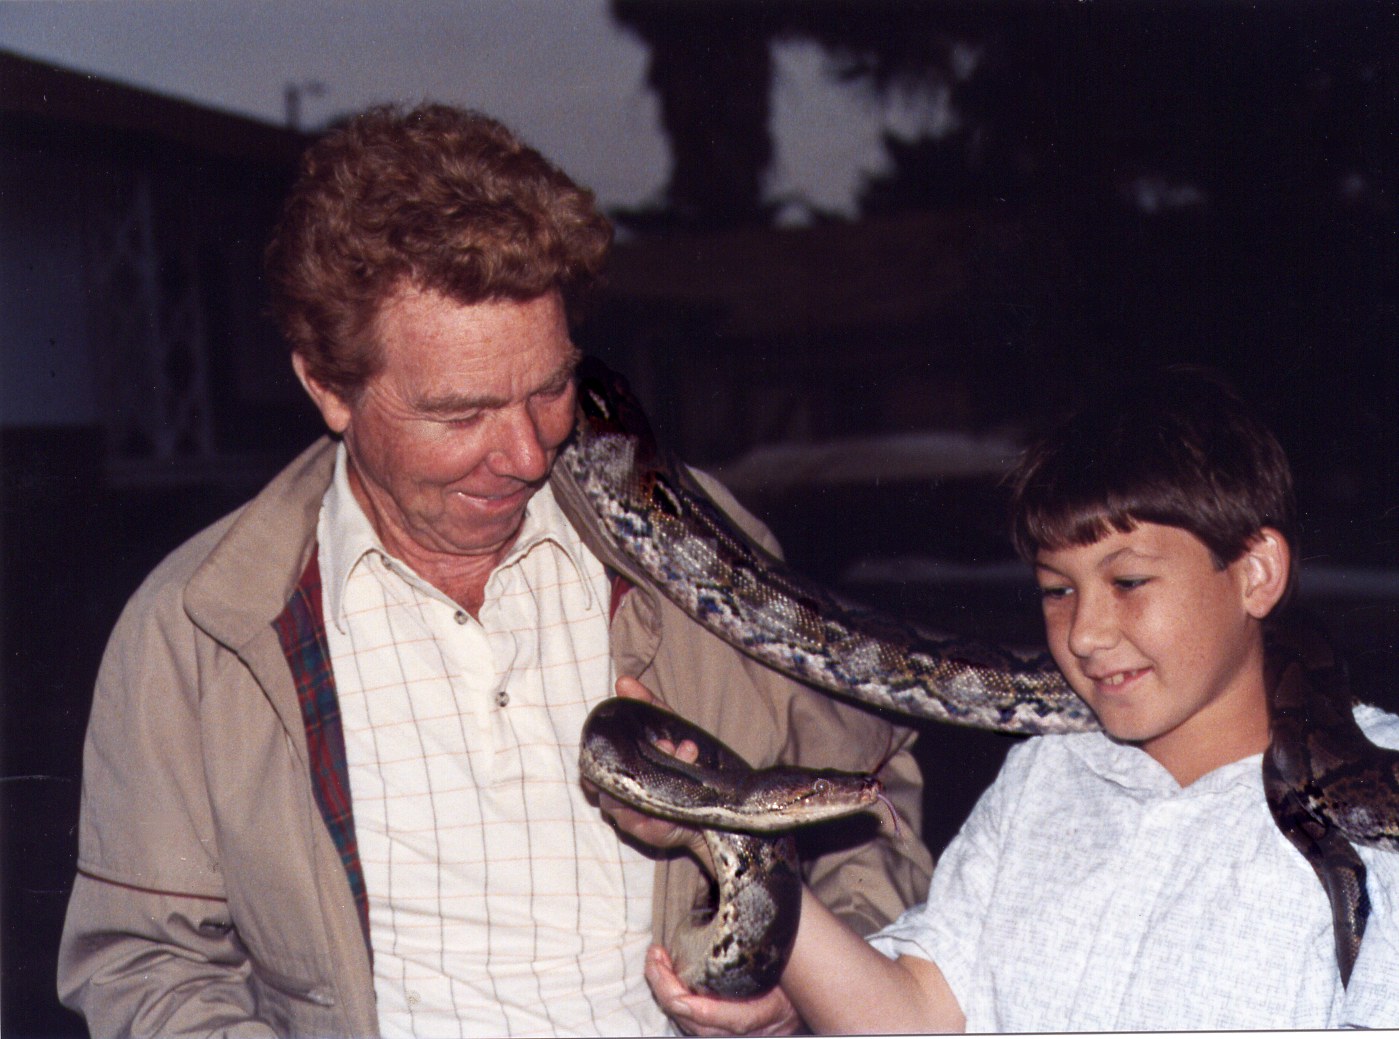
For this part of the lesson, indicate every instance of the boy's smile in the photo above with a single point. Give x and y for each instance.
(1165, 646)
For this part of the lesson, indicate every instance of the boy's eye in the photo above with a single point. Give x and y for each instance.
(1128, 583)
(1053, 591)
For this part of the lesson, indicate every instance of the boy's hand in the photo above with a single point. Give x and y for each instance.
(770, 1014)
(659, 833)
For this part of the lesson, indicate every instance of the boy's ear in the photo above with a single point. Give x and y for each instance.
(332, 407)
(1267, 564)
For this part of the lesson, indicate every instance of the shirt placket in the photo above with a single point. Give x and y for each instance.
(508, 695)
(1112, 961)
(468, 660)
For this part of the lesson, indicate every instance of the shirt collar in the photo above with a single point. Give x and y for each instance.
(546, 524)
(1134, 769)
(346, 536)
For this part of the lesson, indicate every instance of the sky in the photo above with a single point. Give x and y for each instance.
(561, 72)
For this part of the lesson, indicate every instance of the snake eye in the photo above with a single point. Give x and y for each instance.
(820, 788)
(595, 405)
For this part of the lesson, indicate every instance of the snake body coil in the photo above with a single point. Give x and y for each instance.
(1327, 784)
(738, 946)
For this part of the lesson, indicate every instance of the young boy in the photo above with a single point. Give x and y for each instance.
(1132, 879)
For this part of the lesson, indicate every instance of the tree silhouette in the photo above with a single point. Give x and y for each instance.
(711, 67)
(1189, 180)
(1246, 108)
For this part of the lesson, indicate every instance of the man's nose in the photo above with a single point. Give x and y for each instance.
(520, 450)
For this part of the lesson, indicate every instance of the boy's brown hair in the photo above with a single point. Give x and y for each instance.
(1179, 448)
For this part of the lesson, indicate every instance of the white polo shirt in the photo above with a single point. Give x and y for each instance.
(500, 902)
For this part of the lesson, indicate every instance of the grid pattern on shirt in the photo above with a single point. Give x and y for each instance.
(500, 901)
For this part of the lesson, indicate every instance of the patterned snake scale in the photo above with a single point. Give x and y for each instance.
(1327, 785)
(738, 946)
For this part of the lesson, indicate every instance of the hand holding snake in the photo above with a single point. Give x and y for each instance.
(769, 1013)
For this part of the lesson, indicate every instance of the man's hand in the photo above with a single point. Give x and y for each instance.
(770, 1014)
(658, 833)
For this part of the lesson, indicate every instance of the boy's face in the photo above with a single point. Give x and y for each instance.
(1163, 645)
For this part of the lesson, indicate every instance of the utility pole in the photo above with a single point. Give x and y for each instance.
(292, 93)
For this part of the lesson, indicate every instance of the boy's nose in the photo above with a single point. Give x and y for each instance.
(1092, 628)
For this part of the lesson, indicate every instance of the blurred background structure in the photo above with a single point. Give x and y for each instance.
(1056, 194)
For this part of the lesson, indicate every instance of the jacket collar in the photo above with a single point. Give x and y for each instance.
(246, 579)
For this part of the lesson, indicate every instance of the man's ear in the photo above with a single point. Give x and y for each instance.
(331, 405)
(1266, 567)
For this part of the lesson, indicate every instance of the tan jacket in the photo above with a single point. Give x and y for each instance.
(210, 897)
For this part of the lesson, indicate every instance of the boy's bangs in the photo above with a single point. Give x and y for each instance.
(1074, 524)
(1194, 457)
(1060, 518)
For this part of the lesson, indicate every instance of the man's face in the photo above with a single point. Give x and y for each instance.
(461, 425)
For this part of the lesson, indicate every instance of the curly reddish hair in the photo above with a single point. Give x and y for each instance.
(437, 198)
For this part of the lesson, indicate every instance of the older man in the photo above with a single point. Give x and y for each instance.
(331, 774)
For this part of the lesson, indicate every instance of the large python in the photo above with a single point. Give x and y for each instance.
(739, 946)
(1327, 785)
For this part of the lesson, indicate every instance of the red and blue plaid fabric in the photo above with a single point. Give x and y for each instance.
(301, 629)
(620, 587)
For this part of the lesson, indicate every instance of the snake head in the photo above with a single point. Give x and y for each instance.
(606, 403)
(786, 796)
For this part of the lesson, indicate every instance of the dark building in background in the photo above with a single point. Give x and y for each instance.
(134, 226)
(142, 393)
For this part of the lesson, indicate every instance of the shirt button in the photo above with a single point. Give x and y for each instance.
(502, 698)
(460, 616)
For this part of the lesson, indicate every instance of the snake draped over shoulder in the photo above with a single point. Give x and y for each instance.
(1327, 785)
